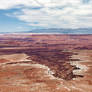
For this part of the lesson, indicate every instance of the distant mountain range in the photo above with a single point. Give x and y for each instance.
(63, 31)
(59, 31)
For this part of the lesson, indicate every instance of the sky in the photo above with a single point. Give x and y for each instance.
(25, 15)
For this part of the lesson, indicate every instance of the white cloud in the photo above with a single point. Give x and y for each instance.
(8, 4)
(53, 13)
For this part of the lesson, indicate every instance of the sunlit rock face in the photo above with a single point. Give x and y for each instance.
(45, 63)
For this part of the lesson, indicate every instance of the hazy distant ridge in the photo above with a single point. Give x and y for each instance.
(58, 30)
(63, 31)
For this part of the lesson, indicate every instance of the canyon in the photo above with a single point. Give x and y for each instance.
(45, 63)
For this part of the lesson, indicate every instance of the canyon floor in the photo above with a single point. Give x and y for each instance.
(45, 63)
